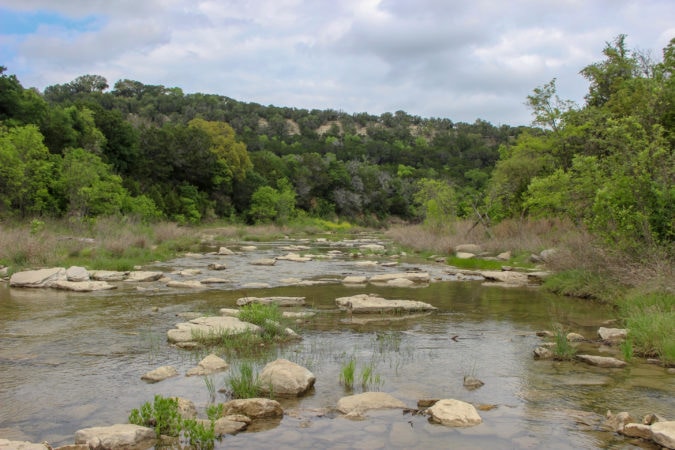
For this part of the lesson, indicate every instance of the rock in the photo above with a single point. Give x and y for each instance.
(248, 248)
(208, 328)
(663, 433)
(365, 303)
(537, 277)
(417, 277)
(108, 275)
(454, 413)
(400, 282)
(505, 256)
(354, 279)
(543, 353)
(188, 284)
(469, 248)
(186, 408)
(366, 263)
(77, 273)
(280, 301)
(464, 255)
(160, 373)
(601, 361)
(472, 383)
(359, 403)
(41, 278)
(255, 408)
(263, 262)
(143, 276)
(545, 333)
(116, 437)
(83, 286)
(426, 402)
(612, 335)
(372, 247)
(224, 426)
(617, 422)
(297, 314)
(6, 444)
(575, 337)
(294, 257)
(508, 277)
(216, 266)
(651, 419)
(225, 251)
(637, 430)
(548, 254)
(214, 280)
(286, 379)
(207, 366)
(255, 285)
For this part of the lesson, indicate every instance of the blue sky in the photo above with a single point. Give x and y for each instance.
(433, 58)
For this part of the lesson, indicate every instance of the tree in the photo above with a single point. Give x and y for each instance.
(436, 203)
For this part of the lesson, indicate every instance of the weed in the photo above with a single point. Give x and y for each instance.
(369, 379)
(162, 415)
(214, 412)
(266, 316)
(347, 374)
(245, 383)
(563, 349)
(627, 349)
(198, 435)
(211, 387)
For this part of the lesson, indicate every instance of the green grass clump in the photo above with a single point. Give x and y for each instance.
(583, 284)
(245, 383)
(266, 316)
(347, 372)
(563, 350)
(162, 415)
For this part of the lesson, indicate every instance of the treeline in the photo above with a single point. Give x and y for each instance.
(85, 149)
(157, 152)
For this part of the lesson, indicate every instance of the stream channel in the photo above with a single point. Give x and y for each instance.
(74, 360)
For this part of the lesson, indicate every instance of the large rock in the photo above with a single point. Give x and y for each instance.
(207, 366)
(638, 430)
(144, 276)
(187, 284)
(359, 403)
(159, 374)
(454, 413)
(616, 422)
(225, 251)
(286, 379)
(83, 286)
(469, 248)
(417, 277)
(77, 273)
(602, 361)
(255, 408)
(108, 275)
(294, 257)
(6, 444)
(41, 278)
(612, 335)
(355, 279)
(264, 262)
(507, 277)
(204, 328)
(663, 433)
(224, 426)
(365, 303)
(280, 301)
(116, 437)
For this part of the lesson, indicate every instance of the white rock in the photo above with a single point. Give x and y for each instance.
(208, 327)
(225, 251)
(464, 255)
(248, 248)
(454, 413)
(505, 256)
(83, 286)
(360, 403)
(417, 277)
(263, 262)
(663, 433)
(115, 437)
(469, 248)
(400, 282)
(255, 285)
(6, 444)
(612, 334)
(281, 301)
(144, 276)
(637, 430)
(40, 278)
(160, 373)
(575, 337)
(208, 365)
(108, 275)
(77, 273)
(286, 379)
(601, 361)
(294, 257)
(365, 303)
(189, 284)
(508, 277)
(255, 408)
(354, 279)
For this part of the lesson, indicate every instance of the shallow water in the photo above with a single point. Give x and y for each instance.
(71, 360)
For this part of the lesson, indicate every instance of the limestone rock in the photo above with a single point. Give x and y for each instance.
(637, 430)
(543, 353)
(602, 361)
(208, 365)
(263, 262)
(508, 277)
(548, 254)
(255, 408)
(355, 279)
(663, 433)
(6, 444)
(77, 273)
(280, 301)
(472, 383)
(248, 248)
(83, 286)
(469, 248)
(464, 255)
(505, 256)
(159, 374)
(612, 335)
(186, 408)
(116, 437)
(294, 257)
(454, 413)
(188, 284)
(41, 278)
(616, 422)
(225, 251)
(365, 303)
(144, 276)
(417, 277)
(575, 337)
(255, 285)
(360, 403)
(217, 266)
(224, 426)
(108, 275)
(400, 282)
(208, 327)
(286, 379)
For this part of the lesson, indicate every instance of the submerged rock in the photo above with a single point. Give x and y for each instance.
(365, 303)
(280, 301)
(417, 277)
(360, 403)
(601, 361)
(116, 437)
(189, 284)
(454, 413)
(208, 365)
(6, 444)
(159, 374)
(41, 278)
(612, 335)
(286, 379)
(472, 383)
(255, 408)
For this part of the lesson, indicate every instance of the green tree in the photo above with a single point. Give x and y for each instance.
(436, 201)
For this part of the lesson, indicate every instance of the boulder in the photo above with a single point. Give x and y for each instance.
(83, 286)
(505, 256)
(207, 366)
(601, 361)
(143, 276)
(255, 408)
(6, 444)
(454, 413)
(359, 403)
(116, 437)
(225, 251)
(286, 379)
(217, 266)
(472, 383)
(263, 262)
(508, 277)
(417, 277)
(612, 335)
(77, 273)
(365, 303)
(187, 284)
(355, 279)
(224, 426)
(186, 408)
(208, 327)
(616, 422)
(663, 433)
(159, 374)
(41, 278)
(575, 337)
(294, 257)
(637, 430)
(464, 255)
(280, 301)
(108, 275)
(400, 282)
(548, 254)
(469, 248)
(543, 353)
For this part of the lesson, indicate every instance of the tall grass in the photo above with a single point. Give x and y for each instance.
(244, 383)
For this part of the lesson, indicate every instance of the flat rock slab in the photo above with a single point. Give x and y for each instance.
(116, 437)
(355, 279)
(359, 403)
(454, 413)
(188, 284)
(207, 366)
(280, 301)
(6, 444)
(365, 303)
(263, 262)
(417, 277)
(144, 276)
(285, 378)
(83, 286)
(208, 327)
(294, 257)
(507, 277)
(108, 275)
(612, 334)
(400, 282)
(77, 273)
(224, 426)
(663, 433)
(41, 278)
(255, 408)
(601, 361)
(215, 280)
(160, 373)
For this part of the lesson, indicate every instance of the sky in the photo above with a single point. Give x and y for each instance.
(461, 60)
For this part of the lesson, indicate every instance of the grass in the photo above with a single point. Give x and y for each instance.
(347, 372)
(266, 316)
(583, 283)
(563, 350)
(244, 383)
(162, 415)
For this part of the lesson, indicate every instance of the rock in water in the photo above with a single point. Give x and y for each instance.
(454, 413)
(285, 378)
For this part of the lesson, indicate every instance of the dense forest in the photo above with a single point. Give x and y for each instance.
(83, 149)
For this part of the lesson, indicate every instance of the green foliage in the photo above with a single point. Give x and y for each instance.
(269, 204)
(563, 350)
(347, 372)
(245, 383)
(162, 415)
(267, 316)
(437, 202)
(583, 283)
